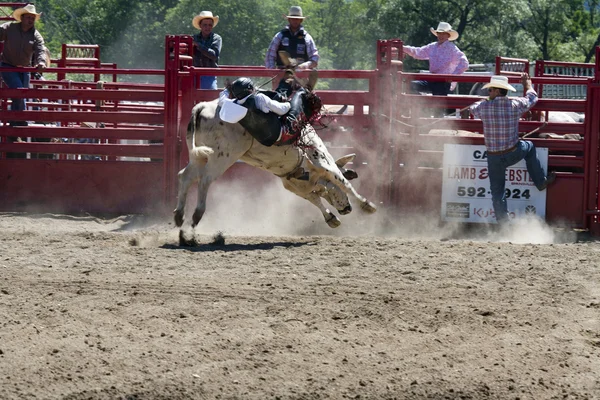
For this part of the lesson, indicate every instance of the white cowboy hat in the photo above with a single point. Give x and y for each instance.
(28, 9)
(204, 15)
(498, 81)
(295, 12)
(444, 27)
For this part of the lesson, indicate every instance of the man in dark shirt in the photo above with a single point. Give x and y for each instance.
(23, 45)
(207, 46)
(295, 41)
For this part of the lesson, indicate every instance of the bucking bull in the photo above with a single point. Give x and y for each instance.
(214, 146)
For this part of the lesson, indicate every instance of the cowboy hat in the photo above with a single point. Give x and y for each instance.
(28, 9)
(444, 27)
(295, 12)
(204, 15)
(501, 82)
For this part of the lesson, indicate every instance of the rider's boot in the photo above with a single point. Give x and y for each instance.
(286, 85)
(294, 121)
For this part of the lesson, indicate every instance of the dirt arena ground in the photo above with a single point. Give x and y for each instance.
(96, 308)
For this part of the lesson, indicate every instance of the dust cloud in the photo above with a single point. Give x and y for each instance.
(245, 207)
(238, 209)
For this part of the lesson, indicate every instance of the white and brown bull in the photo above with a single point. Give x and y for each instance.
(214, 146)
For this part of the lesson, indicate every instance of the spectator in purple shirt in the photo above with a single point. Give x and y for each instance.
(444, 58)
(500, 116)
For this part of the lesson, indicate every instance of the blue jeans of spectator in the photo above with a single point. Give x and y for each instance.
(497, 165)
(435, 88)
(208, 82)
(16, 80)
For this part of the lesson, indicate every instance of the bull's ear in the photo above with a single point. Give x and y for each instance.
(340, 162)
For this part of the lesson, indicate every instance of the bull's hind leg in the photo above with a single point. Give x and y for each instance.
(216, 166)
(203, 186)
(186, 177)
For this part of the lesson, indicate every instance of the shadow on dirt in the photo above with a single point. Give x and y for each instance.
(207, 247)
(218, 244)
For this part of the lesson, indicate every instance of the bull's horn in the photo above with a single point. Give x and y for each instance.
(340, 162)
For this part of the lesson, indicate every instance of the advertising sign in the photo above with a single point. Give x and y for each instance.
(466, 195)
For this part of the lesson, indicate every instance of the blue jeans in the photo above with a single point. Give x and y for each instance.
(16, 80)
(497, 165)
(208, 82)
(435, 88)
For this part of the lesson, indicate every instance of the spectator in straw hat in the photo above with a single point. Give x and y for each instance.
(444, 58)
(23, 47)
(295, 41)
(500, 116)
(207, 46)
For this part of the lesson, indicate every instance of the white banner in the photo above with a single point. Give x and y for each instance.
(466, 193)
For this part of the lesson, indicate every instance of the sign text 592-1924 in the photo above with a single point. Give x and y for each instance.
(471, 191)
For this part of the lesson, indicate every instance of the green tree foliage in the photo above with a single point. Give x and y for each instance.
(132, 33)
(129, 33)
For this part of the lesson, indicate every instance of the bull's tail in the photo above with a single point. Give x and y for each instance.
(198, 154)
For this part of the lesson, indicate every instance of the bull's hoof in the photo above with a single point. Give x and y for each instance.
(333, 221)
(368, 207)
(178, 217)
(350, 174)
(185, 242)
(346, 210)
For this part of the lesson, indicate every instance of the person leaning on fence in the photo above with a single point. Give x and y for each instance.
(500, 116)
(444, 58)
(207, 46)
(294, 40)
(23, 47)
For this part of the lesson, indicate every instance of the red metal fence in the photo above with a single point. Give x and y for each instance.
(85, 149)
(138, 135)
(416, 163)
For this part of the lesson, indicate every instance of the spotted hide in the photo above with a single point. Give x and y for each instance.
(216, 145)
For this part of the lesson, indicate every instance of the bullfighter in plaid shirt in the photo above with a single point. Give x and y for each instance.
(500, 116)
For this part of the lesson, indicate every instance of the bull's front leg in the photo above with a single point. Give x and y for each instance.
(332, 220)
(297, 187)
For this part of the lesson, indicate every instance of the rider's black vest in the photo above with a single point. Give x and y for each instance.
(264, 127)
(295, 45)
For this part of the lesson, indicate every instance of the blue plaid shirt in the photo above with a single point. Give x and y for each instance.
(500, 119)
